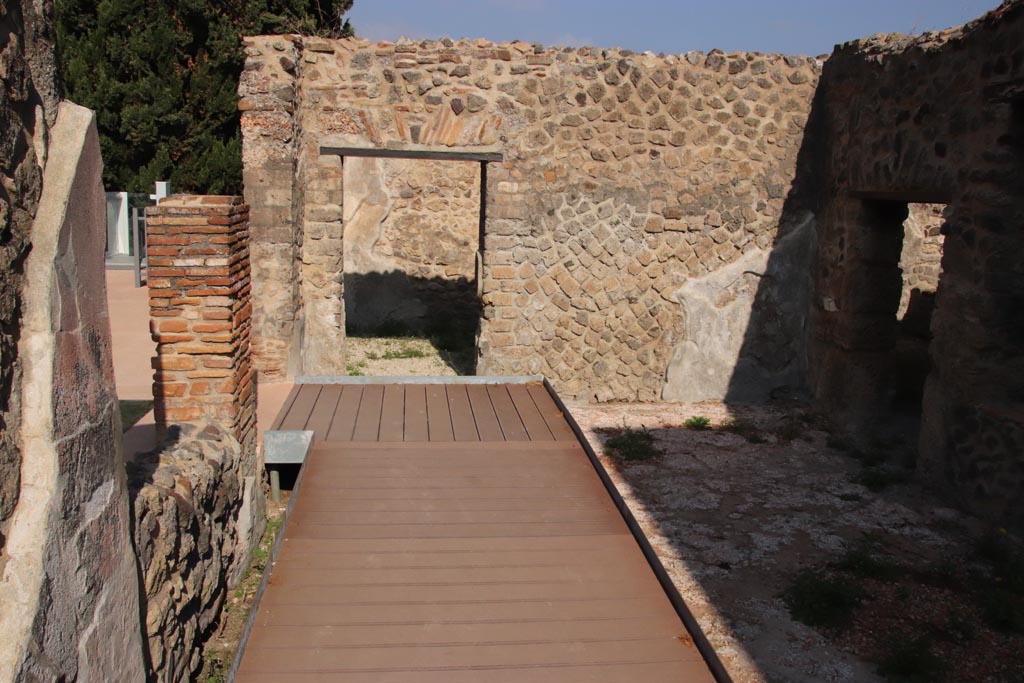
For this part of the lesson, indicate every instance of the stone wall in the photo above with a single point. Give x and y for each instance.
(624, 176)
(187, 502)
(28, 108)
(410, 240)
(938, 118)
(69, 607)
(921, 258)
(198, 503)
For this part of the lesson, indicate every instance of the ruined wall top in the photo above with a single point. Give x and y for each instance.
(325, 60)
(421, 52)
(882, 44)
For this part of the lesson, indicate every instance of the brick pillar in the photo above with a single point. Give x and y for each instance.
(200, 310)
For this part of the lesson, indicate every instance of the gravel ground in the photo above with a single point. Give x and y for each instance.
(735, 521)
(398, 357)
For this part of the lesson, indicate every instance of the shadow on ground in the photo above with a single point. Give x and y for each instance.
(395, 305)
(806, 558)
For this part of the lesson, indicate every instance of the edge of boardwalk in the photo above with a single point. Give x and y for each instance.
(700, 641)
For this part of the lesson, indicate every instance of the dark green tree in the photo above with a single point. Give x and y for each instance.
(162, 77)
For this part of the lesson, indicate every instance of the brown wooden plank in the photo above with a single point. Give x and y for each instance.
(507, 545)
(298, 415)
(463, 424)
(392, 416)
(460, 561)
(416, 413)
(524, 655)
(285, 407)
(439, 419)
(452, 517)
(684, 671)
(536, 600)
(560, 429)
(534, 422)
(483, 413)
(323, 411)
(435, 559)
(368, 419)
(426, 635)
(437, 503)
(511, 425)
(319, 575)
(344, 421)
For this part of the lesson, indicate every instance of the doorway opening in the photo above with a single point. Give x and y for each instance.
(920, 268)
(412, 245)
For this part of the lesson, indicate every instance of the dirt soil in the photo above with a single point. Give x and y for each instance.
(738, 510)
(763, 505)
(401, 356)
(220, 648)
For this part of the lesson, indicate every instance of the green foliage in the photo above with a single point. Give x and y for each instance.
(790, 428)
(132, 412)
(839, 442)
(745, 428)
(398, 354)
(879, 478)
(1001, 594)
(820, 598)
(961, 627)
(866, 560)
(911, 661)
(1006, 558)
(1003, 610)
(698, 422)
(633, 444)
(162, 78)
(215, 669)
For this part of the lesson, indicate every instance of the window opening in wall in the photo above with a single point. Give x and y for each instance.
(411, 240)
(920, 265)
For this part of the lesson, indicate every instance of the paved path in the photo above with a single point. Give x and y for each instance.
(456, 533)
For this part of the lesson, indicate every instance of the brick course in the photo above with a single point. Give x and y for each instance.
(200, 305)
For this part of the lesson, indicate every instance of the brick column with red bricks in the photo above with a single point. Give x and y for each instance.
(200, 309)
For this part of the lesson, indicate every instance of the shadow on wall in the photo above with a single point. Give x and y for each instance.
(396, 304)
(772, 359)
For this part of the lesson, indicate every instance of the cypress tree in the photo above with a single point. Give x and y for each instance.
(162, 77)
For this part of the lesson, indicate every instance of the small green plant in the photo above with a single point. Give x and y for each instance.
(961, 628)
(865, 559)
(697, 422)
(745, 428)
(839, 442)
(404, 352)
(355, 370)
(132, 412)
(822, 599)
(1002, 610)
(791, 428)
(215, 669)
(998, 548)
(877, 478)
(1005, 579)
(261, 553)
(911, 661)
(633, 445)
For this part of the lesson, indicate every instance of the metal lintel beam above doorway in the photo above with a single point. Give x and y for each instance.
(431, 155)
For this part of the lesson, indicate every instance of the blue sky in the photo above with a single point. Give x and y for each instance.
(795, 26)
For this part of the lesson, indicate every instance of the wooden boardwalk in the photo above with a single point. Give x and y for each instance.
(456, 533)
